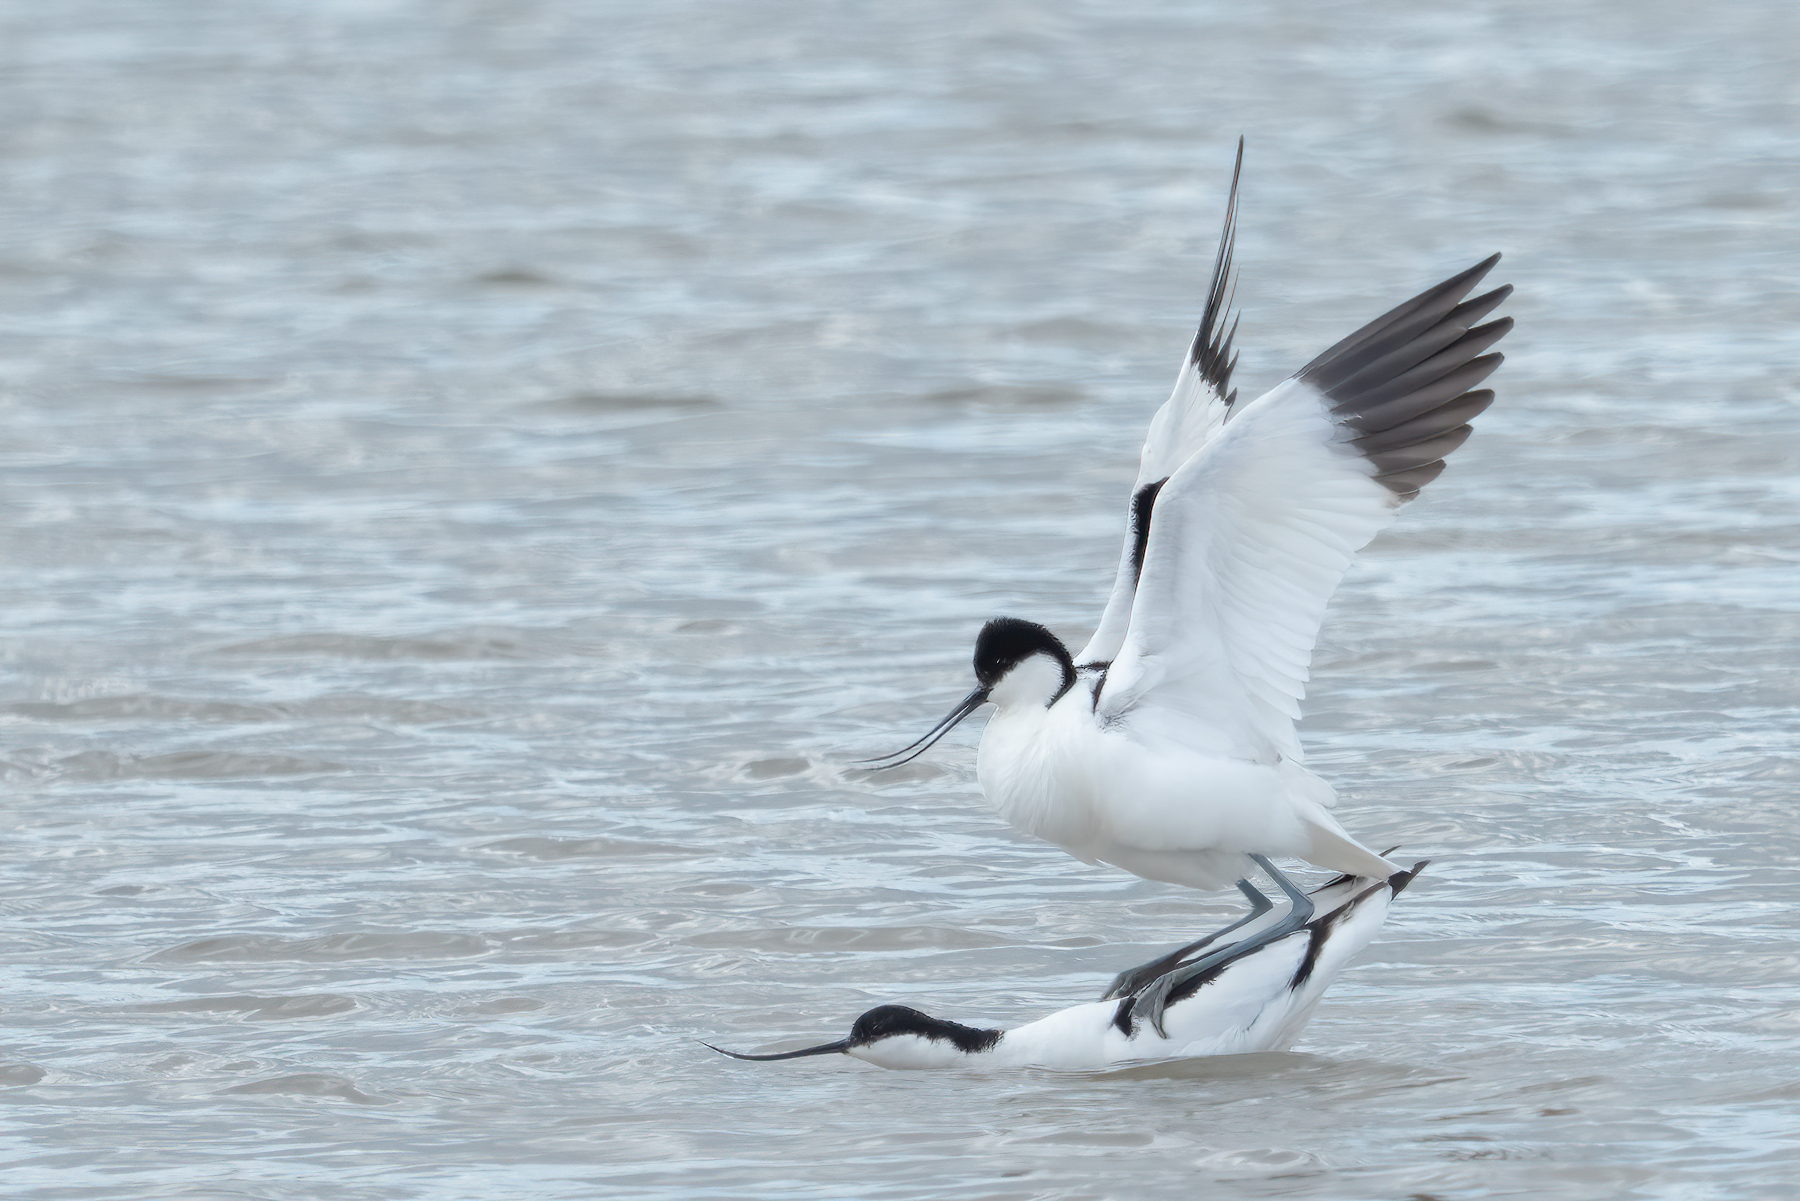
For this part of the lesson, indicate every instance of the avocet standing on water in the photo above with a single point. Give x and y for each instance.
(1167, 745)
(1257, 998)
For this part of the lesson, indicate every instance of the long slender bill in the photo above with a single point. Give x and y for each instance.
(841, 1045)
(968, 705)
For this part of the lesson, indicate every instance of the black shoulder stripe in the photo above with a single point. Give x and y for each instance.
(1142, 506)
(1317, 934)
(1194, 984)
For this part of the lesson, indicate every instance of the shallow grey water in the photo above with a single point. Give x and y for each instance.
(476, 474)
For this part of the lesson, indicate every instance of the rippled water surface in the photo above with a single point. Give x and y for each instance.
(476, 473)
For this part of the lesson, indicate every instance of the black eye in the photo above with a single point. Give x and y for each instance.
(884, 1020)
(1006, 642)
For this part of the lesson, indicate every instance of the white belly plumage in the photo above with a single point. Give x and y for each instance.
(1166, 745)
(1164, 811)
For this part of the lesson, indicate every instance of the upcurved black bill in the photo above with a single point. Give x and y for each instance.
(968, 705)
(842, 1044)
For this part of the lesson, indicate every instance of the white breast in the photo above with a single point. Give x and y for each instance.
(1157, 808)
(1036, 768)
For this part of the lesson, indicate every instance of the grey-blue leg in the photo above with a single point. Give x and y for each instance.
(1150, 1003)
(1128, 982)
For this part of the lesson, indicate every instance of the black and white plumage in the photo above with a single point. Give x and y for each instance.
(1258, 1001)
(1167, 745)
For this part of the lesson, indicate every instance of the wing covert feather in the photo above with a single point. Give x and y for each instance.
(1250, 537)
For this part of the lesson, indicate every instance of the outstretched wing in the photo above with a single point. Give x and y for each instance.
(1249, 538)
(1194, 412)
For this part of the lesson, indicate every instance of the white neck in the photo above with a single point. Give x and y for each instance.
(915, 1051)
(1036, 681)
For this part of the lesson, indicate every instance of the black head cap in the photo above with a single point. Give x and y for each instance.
(885, 1021)
(1006, 642)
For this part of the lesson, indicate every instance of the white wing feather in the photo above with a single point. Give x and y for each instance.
(1194, 412)
(1251, 537)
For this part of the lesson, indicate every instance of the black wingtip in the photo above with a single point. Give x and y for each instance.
(1343, 878)
(1399, 880)
(1357, 350)
(1211, 354)
(1406, 384)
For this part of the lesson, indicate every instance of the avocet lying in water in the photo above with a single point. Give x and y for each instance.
(1256, 996)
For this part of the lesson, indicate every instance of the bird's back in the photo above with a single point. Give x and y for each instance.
(1261, 1002)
